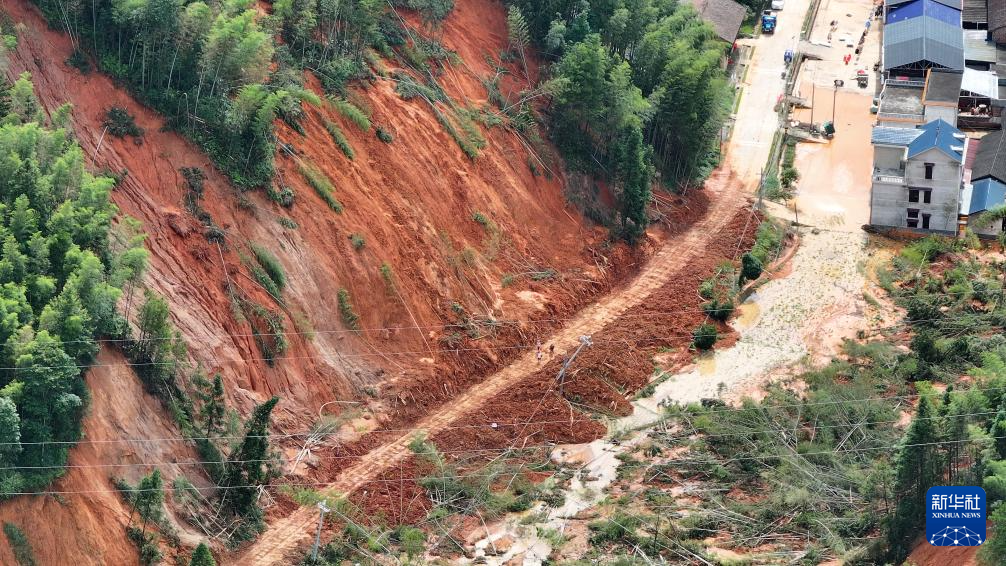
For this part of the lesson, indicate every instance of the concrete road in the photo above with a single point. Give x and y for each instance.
(756, 121)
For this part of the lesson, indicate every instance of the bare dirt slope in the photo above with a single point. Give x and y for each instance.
(668, 263)
(412, 201)
(85, 522)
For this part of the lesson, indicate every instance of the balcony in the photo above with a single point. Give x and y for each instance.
(901, 117)
(889, 176)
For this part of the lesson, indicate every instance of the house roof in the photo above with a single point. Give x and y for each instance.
(951, 3)
(940, 135)
(997, 20)
(985, 194)
(975, 11)
(982, 83)
(978, 48)
(991, 158)
(924, 8)
(888, 135)
(943, 85)
(924, 30)
(724, 15)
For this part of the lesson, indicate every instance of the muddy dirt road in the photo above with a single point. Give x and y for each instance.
(730, 185)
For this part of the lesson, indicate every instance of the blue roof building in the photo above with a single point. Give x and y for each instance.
(922, 34)
(940, 135)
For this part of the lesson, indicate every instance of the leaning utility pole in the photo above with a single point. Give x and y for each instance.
(584, 341)
(322, 508)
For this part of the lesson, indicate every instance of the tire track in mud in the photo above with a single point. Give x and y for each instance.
(673, 258)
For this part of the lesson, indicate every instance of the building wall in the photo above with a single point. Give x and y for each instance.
(887, 158)
(889, 196)
(947, 113)
(992, 229)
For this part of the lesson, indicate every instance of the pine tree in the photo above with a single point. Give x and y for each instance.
(519, 35)
(917, 469)
(10, 432)
(998, 432)
(202, 556)
(212, 409)
(245, 468)
(149, 498)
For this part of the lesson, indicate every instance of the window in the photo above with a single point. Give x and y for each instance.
(913, 218)
(929, 170)
(925, 221)
(920, 195)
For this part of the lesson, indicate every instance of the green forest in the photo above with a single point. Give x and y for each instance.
(61, 278)
(642, 94)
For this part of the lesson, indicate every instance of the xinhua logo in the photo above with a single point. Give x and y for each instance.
(955, 516)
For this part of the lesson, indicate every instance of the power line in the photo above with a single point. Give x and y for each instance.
(473, 451)
(474, 475)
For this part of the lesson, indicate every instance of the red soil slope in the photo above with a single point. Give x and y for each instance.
(412, 200)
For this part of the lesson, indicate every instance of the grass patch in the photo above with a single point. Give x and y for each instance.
(388, 275)
(339, 138)
(384, 135)
(19, 544)
(357, 241)
(321, 185)
(271, 265)
(352, 113)
(349, 315)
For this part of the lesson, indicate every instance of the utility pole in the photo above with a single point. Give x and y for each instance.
(322, 508)
(839, 83)
(584, 341)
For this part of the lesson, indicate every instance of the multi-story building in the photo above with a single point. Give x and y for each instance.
(917, 177)
(985, 184)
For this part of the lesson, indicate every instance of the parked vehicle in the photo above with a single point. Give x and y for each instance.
(778, 4)
(768, 21)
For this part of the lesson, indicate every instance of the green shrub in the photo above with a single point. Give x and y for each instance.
(271, 265)
(349, 315)
(283, 197)
(339, 138)
(705, 336)
(287, 223)
(768, 241)
(751, 267)
(789, 176)
(19, 545)
(352, 113)
(78, 60)
(620, 527)
(389, 279)
(719, 310)
(384, 135)
(120, 123)
(146, 543)
(358, 241)
(321, 185)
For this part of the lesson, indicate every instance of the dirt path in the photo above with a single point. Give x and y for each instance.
(730, 186)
